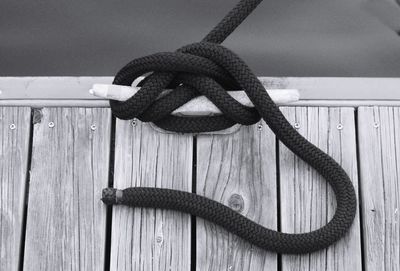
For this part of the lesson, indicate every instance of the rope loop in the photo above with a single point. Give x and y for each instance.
(207, 68)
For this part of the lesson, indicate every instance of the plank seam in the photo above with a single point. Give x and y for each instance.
(26, 196)
(360, 198)
(107, 247)
(381, 147)
(278, 199)
(193, 241)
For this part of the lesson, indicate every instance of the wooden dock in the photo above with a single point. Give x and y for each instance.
(58, 152)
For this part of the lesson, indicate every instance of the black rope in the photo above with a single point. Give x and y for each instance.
(207, 68)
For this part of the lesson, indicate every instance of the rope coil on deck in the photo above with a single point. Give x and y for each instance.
(207, 68)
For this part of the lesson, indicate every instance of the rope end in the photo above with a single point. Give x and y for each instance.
(111, 196)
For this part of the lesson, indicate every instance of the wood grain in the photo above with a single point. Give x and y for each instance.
(66, 221)
(238, 170)
(379, 139)
(307, 201)
(14, 152)
(149, 239)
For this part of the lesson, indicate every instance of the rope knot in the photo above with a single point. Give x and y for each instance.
(193, 70)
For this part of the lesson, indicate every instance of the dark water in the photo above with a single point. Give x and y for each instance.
(281, 38)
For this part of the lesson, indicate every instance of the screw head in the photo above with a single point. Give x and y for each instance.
(339, 126)
(93, 127)
(51, 124)
(297, 125)
(13, 126)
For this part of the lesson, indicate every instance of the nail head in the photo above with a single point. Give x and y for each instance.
(297, 125)
(51, 124)
(133, 123)
(93, 127)
(376, 124)
(339, 126)
(12, 126)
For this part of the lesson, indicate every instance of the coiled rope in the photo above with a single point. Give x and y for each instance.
(207, 68)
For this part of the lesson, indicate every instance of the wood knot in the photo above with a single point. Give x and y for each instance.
(159, 239)
(236, 202)
(37, 115)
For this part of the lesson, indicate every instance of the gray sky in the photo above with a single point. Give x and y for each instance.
(281, 38)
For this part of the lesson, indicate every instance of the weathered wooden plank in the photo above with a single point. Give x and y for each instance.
(14, 147)
(149, 239)
(238, 170)
(307, 201)
(379, 139)
(66, 221)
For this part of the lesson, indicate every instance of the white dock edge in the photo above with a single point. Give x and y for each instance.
(332, 91)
